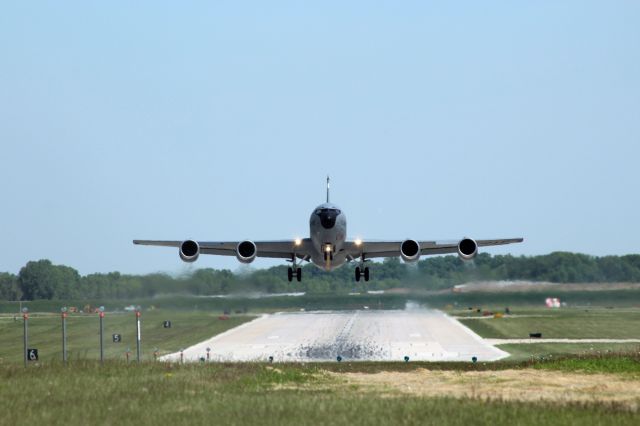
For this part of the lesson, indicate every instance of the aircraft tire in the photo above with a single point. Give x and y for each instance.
(358, 273)
(366, 274)
(299, 274)
(290, 274)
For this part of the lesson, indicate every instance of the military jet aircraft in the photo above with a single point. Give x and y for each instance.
(327, 246)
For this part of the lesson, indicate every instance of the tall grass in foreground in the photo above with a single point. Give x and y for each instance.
(252, 393)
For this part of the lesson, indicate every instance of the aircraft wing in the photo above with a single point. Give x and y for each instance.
(372, 249)
(278, 249)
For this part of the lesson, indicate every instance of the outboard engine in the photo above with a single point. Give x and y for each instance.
(410, 250)
(189, 251)
(246, 251)
(467, 249)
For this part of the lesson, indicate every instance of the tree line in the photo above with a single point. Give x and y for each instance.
(43, 280)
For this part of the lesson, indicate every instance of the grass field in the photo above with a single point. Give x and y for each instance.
(158, 393)
(595, 323)
(83, 334)
(550, 350)
(600, 385)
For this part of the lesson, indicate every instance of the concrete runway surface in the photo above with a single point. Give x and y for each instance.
(421, 334)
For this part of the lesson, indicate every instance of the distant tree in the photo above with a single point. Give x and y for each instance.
(43, 280)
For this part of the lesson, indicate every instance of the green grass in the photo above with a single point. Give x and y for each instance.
(156, 393)
(629, 365)
(83, 338)
(550, 350)
(572, 323)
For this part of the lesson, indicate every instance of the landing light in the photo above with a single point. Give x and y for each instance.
(297, 241)
(327, 248)
(358, 242)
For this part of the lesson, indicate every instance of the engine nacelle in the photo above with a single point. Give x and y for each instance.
(189, 251)
(467, 249)
(410, 250)
(246, 251)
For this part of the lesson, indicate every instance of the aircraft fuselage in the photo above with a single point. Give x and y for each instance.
(328, 231)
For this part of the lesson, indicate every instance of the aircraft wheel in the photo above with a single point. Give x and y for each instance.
(299, 274)
(357, 273)
(366, 274)
(290, 274)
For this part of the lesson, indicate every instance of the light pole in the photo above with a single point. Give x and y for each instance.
(101, 315)
(25, 317)
(138, 353)
(64, 334)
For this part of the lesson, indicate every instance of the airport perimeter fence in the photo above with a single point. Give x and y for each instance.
(32, 354)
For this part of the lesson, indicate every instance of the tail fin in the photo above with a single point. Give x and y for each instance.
(328, 188)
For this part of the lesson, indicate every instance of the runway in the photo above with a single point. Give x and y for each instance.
(425, 335)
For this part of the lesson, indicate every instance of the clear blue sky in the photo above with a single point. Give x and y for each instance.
(220, 121)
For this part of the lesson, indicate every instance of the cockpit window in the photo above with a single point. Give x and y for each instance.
(328, 217)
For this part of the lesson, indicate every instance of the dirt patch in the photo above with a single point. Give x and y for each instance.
(513, 385)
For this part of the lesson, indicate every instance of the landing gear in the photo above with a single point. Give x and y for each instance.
(298, 274)
(294, 270)
(360, 272)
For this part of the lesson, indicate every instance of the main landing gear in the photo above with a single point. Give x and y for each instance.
(298, 274)
(362, 271)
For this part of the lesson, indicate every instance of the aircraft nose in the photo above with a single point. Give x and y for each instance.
(328, 218)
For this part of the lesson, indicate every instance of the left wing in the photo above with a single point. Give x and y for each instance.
(373, 249)
(280, 249)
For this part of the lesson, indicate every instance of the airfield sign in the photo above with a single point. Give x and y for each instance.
(32, 354)
(117, 338)
(166, 324)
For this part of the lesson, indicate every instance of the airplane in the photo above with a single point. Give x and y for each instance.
(327, 246)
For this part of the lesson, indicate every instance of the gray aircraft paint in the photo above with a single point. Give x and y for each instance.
(333, 237)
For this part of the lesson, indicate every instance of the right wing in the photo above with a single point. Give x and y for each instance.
(372, 249)
(278, 249)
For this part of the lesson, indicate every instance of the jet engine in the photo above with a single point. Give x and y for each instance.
(189, 251)
(246, 251)
(467, 249)
(410, 250)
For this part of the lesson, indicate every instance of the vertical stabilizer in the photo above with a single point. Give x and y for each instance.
(327, 188)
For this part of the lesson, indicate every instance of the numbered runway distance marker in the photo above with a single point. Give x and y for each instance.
(166, 324)
(32, 354)
(117, 338)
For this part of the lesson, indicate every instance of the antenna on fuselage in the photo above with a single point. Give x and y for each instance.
(328, 188)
